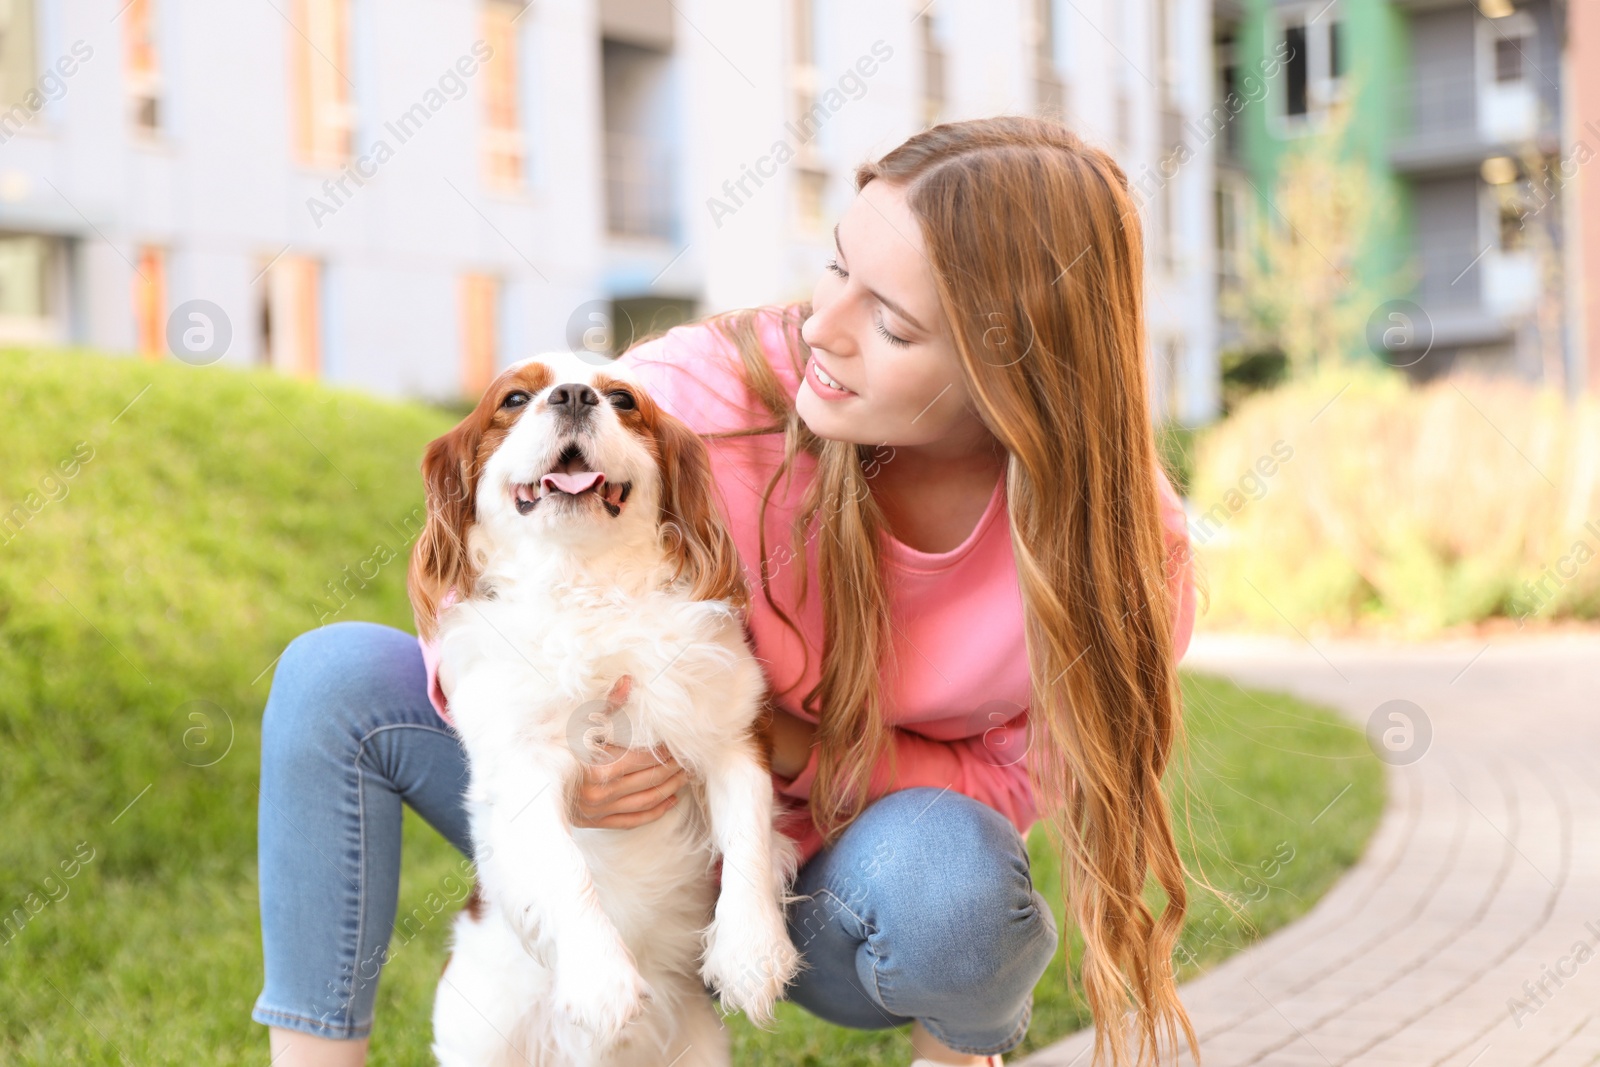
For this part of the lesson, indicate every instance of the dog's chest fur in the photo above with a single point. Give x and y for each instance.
(557, 654)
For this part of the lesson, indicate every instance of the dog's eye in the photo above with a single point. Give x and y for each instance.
(622, 399)
(515, 400)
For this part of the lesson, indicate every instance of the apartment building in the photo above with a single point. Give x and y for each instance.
(403, 196)
(1480, 124)
(1456, 110)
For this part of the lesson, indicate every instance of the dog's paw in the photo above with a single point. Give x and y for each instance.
(750, 970)
(602, 994)
(522, 916)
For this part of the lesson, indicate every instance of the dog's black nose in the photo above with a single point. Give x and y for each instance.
(573, 398)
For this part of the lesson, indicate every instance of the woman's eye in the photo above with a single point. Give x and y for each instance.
(891, 338)
(622, 399)
(833, 265)
(515, 400)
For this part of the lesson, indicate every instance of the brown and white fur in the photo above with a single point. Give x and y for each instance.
(568, 614)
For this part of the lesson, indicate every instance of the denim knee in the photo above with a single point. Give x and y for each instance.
(956, 871)
(330, 681)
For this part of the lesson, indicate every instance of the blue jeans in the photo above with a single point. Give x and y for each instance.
(923, 909)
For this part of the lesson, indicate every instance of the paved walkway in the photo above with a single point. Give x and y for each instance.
(1469, 932)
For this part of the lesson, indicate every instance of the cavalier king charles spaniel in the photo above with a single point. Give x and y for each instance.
(582, 589)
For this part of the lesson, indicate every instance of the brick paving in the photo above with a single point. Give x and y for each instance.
(1468, 935)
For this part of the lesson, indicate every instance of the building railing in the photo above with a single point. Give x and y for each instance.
(1454, 114)
(639, 190)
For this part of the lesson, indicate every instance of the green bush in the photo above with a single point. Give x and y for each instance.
(1355, 497)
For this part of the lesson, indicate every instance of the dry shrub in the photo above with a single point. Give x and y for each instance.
(1423, 507)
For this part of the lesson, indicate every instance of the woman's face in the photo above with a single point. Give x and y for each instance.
(876, 328)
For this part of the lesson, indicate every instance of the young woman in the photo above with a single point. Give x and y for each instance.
(974, 588)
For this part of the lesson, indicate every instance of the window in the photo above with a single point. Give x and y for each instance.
(1507, 61)
(1508, 98)
(1506, 208)
(1167, 230)
(810, 177)
(803, 64)
(142, 65)
(480, 335)
(150, 303)
(1228, 232)
(26, 266)
(291, 316)
(638, 196)
(641, 142)
(1512, 39)
(1513, 223)
(1227, 81)
(1314, 63)
(811, 187)
(1167, 63)
(17, 59)
(1296, 71)
(1048, 92)
(933, 75)
(319, 49)
(1508, 276)
(1123, 40)
(502, 125)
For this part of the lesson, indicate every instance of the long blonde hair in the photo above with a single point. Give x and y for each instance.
(1036, 252)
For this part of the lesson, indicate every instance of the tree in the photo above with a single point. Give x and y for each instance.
(1301, 289)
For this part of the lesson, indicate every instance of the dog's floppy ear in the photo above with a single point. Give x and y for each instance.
(692, 532)
(439, 561)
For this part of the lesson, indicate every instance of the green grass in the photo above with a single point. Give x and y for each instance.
(143, 600)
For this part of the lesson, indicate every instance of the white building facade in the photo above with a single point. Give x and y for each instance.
(402, 195)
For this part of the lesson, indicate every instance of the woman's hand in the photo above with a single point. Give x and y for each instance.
(631, 787)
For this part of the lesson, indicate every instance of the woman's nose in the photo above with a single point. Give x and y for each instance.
(822, 329)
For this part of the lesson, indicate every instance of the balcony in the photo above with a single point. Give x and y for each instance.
(640, 117)
(1451, 126)
(639, 198)
(1473, 290)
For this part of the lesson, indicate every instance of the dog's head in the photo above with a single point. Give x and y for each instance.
(564, 455)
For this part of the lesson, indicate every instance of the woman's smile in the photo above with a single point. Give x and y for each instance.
(823, 383)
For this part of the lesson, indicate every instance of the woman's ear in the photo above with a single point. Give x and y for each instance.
(439, 562)
(692, 531)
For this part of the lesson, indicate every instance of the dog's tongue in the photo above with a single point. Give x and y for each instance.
(573, 482)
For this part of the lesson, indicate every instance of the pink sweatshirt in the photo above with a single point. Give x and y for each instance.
(958, 705)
